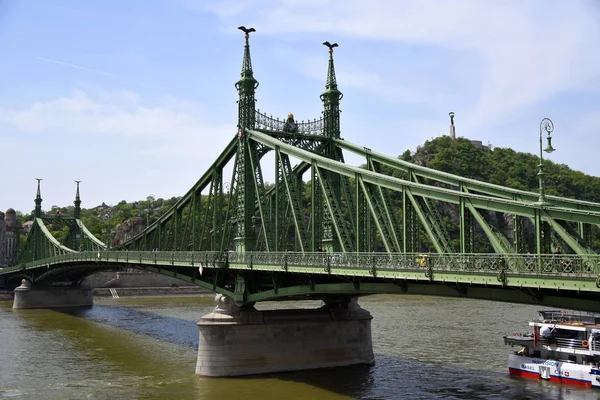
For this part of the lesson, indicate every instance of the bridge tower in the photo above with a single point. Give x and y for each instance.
(331, 100)
(237, 339)
(38, 200)
(331, 129)
(77, 203)
(245, 236)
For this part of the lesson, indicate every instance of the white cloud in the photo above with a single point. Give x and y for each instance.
(180, 123)
(120, 144)
(529, 51)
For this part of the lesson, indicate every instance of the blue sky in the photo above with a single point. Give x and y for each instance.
(136, 97)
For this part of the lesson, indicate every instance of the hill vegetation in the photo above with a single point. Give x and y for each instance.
(500, 166)
(503, 166)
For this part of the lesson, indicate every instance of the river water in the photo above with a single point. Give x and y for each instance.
(146, 348)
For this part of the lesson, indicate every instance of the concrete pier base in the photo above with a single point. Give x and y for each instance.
(236, 342)
(51, 296)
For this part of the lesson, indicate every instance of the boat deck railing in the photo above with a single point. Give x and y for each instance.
(576, 344)
(556, 316)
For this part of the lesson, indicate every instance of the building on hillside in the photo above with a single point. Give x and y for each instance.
(102, 207)
(26, 227)
(10, 231)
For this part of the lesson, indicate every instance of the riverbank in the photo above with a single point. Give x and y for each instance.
(7, 295)
(151, 291)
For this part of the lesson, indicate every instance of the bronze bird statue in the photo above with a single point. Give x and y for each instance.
(331, 46)
(246, 30)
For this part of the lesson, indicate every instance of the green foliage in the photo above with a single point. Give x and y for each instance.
(500, 166)
(503, 166)
(102, 221)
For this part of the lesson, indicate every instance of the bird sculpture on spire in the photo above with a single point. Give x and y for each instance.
(246, 30)
(331, 46)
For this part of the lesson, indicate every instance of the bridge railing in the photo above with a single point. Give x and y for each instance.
(263, 121)
(205, 258)
(472, 263)
(523, 264)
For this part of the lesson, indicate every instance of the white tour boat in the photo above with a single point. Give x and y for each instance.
(562, 347)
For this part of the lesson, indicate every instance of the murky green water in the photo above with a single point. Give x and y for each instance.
(145, 348)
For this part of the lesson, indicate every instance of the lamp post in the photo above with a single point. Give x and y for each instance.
(545, 125)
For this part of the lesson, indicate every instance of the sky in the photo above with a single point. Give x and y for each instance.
(136, 98)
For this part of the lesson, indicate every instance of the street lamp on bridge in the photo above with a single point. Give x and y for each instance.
(545, 125)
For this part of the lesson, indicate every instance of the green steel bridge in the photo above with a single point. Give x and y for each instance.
(328, 230)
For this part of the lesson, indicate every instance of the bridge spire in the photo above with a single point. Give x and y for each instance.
(245, 237)
(38, 200)
(246, 86)
(331, 99)
(77, 203)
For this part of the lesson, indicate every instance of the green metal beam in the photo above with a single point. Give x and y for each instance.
(374, 215)
(334, 212)
(573, 242)
(296, 216)
(472, 184)
(259, 190)
(500, 246)
(433, 192)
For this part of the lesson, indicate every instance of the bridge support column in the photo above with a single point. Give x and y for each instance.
(52, 296)
(237, 341)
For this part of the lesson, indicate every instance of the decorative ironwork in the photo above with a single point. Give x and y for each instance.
(545, 125)
(263, 121)
(342, 264)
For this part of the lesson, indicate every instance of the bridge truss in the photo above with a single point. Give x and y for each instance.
(318, 202)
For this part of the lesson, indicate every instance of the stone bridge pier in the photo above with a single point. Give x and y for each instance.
(238, 341)
(28, 296)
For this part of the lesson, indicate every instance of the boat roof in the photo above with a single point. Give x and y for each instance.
(568, 318)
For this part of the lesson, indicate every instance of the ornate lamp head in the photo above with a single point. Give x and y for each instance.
(549, 148)
(548, 126)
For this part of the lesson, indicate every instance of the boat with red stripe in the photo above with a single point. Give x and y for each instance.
(562, 347)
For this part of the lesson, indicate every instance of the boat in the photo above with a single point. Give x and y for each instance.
(562, 347)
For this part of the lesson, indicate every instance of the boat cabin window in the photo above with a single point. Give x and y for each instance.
(565, 333)
(587, 359)
(573, 358)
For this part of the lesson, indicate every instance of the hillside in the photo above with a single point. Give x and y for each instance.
(111, 223)
(504, 167)
(501, 166)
